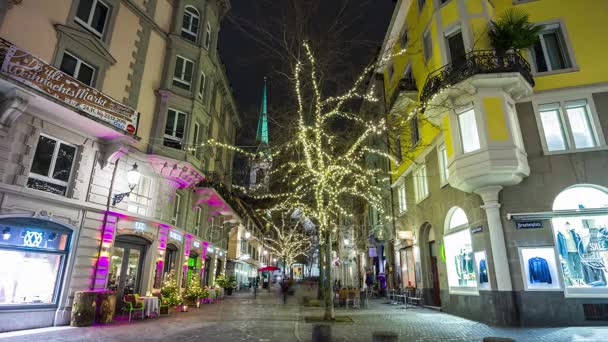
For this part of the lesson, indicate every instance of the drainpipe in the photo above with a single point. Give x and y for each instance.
(103, 226)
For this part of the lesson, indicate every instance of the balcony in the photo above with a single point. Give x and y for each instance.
(482, 62)
(405, 92)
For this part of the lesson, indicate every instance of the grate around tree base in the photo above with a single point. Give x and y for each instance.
(319, 319)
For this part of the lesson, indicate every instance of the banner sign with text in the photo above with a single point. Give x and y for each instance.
(27, 69)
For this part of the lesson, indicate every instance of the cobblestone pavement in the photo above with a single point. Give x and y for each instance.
(267, 319)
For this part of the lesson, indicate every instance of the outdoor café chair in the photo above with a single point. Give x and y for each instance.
(131, 304)
(161, 303)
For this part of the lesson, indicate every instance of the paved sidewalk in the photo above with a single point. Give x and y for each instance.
(266, 319)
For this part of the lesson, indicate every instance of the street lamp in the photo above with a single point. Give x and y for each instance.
(346, 242)
(133, 176)
(265, 252)
(247, 235)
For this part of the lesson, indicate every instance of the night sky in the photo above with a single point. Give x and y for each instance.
(247, 61)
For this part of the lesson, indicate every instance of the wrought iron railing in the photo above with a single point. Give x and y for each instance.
(474, 63)
(406, 84)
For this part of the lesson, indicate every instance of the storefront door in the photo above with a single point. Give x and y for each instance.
(436, 299)
(126, 265)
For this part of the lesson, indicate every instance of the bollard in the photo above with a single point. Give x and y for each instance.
(321, 333)
(497, 339)
(385, 336)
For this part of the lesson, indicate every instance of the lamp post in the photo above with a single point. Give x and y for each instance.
(133, 176)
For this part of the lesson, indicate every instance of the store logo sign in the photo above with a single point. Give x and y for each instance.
(175, 235)
(196, 244)
(140, 226)
(529, 224)
(32, 239)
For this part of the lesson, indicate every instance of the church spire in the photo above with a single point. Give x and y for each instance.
(262, 134)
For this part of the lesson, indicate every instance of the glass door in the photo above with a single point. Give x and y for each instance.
(125, 266)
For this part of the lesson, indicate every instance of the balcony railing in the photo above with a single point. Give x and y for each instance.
(474, 63)
(406, 84)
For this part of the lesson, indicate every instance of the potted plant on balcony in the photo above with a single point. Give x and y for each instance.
(512, 31)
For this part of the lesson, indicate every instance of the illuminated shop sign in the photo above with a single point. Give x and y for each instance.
(140, 226)
(175, 235)
(196, 244)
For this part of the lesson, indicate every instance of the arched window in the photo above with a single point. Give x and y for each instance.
(459, 256)
(581, 240)
(190, 23)
(457, 218)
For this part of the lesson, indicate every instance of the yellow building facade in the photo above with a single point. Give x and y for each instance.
(492, 148)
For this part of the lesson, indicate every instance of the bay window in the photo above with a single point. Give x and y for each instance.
(469, 135)
(401, 197)
(182, 76)
(443, 164)
(190, 23)
(175, 128)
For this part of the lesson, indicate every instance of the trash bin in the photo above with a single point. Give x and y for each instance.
(83, 308)
(321, 333)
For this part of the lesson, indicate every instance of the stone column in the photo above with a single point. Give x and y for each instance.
(497, 237)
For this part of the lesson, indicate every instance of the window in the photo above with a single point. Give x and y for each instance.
(443, 164)
(421, 4)
(140, 198)
(574, 130)
(34, 253)
(402, 200)
(176, 204)
(190, 23)
(93, 15)
(414, 132)
(201, 89)
(468, 131)
(78, 69)
(197, 224)
(420, 184)
(391, 71)
(52, 166)
(207, 42)
(455, 45)
(174, 129)
(195, 139)
(459, 253)
(404, 38)
(182, 77)
(427, 43)
(397, 152)
(550, 52)
(581, 241)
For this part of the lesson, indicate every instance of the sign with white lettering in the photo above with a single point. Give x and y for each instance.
(196, 244)
(476, 229)
(27, 69)
(175, 235)
(140, 226)
(528, 224)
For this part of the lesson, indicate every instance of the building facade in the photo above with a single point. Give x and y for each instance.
(90, 93)
(501, 193)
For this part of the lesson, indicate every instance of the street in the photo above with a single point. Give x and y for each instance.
(241, 318)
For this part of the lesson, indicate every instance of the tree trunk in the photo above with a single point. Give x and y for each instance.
(329, 295)
(392, 263)
(321, 286)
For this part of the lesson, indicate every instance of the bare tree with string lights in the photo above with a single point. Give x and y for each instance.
(288, 239)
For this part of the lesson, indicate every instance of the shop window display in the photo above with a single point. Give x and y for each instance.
(460, 261)
(37, 254)
(539, 268)
(582, 241)
(483, 274)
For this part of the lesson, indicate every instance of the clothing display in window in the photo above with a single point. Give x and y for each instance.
(594, 276)
(538, 269)
(464, 267)
(483, 271)
(562, 247)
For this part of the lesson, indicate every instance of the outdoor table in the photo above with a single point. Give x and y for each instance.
(150, 306)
